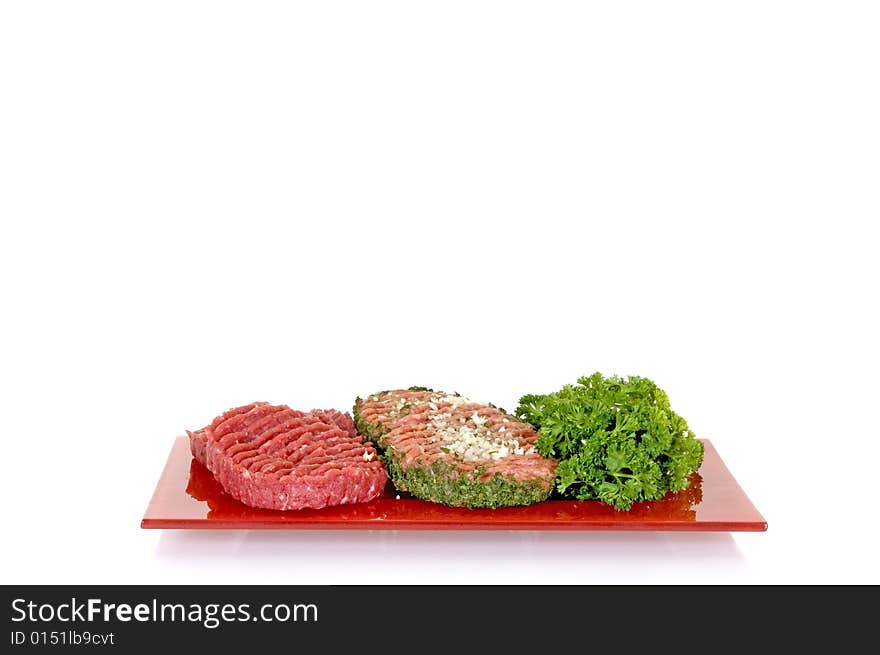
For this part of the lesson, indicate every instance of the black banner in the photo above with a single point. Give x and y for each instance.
(402, 618)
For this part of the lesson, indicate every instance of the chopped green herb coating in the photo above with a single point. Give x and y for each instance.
(441, 482)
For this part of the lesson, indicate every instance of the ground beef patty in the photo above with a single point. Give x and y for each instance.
(275, 457)
(452, 450)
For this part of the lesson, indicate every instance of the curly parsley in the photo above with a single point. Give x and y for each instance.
(618, 440)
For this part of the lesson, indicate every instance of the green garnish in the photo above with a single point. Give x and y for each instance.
(618, 439)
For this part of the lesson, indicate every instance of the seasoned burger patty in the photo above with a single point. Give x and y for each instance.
(452, 450)
(274, 457)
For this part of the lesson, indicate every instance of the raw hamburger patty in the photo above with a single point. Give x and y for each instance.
(275, 457)
(452, 450)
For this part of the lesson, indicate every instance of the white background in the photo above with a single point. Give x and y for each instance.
(205, 204)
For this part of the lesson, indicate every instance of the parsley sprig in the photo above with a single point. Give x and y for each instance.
(618, 439)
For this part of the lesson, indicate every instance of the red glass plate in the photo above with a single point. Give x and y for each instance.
(188, 496)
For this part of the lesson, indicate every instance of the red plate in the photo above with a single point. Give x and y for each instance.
(188, 496)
